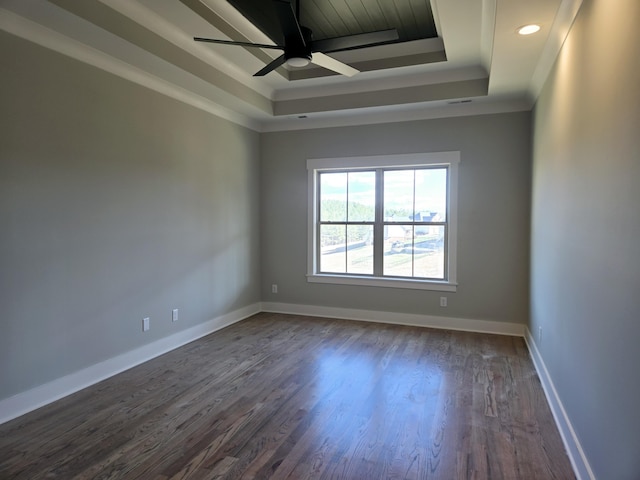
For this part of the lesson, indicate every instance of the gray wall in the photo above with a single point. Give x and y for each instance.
(585, 279)
(115, 203)
(494, 206)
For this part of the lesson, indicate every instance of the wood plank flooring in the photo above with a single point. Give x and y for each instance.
(291, 397)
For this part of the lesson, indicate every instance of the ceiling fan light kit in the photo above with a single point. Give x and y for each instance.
(299, 47)
(298, 62)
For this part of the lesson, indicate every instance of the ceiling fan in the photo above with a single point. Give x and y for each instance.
(299, 47)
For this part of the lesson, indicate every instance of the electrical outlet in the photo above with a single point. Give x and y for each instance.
(174, 315)
(146, 324)
(274, 288)
(443, 301)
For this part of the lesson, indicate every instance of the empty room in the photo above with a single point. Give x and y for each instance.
(341, 239)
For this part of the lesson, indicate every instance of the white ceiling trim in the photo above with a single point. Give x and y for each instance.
(487, 32)
(183, 40)
(166, 79)
(234, 18)
(562, 24)
(43, 36)
(381, 84)
(394, 114)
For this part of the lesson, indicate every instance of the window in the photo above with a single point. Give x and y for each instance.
(384, 221)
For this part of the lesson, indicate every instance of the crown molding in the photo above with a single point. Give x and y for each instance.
(566, 15)
(397, 114)
(33, 32)
(138, 66)
(150, 20)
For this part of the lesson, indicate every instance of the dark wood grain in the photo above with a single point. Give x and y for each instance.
(291, 397)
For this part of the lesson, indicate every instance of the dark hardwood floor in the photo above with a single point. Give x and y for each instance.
(290, 397)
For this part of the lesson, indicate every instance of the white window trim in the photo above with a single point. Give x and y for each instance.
(449, 159)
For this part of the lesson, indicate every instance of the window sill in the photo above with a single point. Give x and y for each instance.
(443, 286)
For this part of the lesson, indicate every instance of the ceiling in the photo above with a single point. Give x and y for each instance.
(335, 18)
(453, 57)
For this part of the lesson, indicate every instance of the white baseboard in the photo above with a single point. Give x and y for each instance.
(576, 454)
(37, 397)
(431, 321)
(30, 400)
(25, 402)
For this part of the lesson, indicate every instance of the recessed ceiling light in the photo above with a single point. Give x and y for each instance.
(528, 29)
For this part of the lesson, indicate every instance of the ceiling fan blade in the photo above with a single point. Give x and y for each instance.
(349, 42)
(242, 44)
(329, 63)
(289, 23)
(271, 66)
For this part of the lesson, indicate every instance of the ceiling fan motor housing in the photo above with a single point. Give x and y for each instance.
(299, 45)
(294, 48)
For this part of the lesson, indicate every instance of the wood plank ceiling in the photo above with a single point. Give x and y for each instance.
(413, 19)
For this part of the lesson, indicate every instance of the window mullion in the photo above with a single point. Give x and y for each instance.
(413, 230)
(318, 255)
(446, 224)
(346, 249)
(346, 230)
(378, 228)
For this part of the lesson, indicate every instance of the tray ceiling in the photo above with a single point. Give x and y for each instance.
(453, 57)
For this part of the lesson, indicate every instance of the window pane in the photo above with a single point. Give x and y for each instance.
(397, 251)
(428, 251)
(360, 249)
(431, 195)
(333, 197)
(362, 196)
(398, 195)
(333, 248)
(414, 251)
